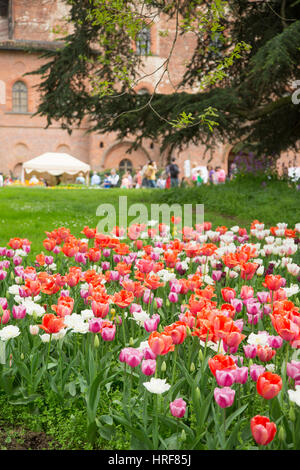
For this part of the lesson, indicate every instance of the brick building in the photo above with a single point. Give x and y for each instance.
(23, 136)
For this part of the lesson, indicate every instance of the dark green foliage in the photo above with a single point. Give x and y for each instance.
(253, 102)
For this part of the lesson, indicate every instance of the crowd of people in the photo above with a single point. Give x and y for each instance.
(149, 176)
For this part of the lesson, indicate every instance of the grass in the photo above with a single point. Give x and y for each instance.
(29, 212)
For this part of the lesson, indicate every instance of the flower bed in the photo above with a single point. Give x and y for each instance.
(198, 335)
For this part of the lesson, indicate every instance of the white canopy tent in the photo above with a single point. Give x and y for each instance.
(56, 164)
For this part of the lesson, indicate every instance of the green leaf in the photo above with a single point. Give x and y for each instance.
(107, 419)
(234, 415)
(25, 400)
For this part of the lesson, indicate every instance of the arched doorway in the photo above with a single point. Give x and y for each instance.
(125, 165)
(17, 171)
(231, 158)
(117, 156)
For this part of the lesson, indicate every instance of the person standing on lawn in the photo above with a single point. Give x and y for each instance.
(174, 173)
(151, 174)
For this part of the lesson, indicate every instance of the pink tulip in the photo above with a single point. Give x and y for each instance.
(175, 287)
(239, 324)
(253, 308)
(4, 318)
(148, 366)
(135, 308)
(6, 263)
(267, 309)
(159, 302)
(3, 303)
(105, 265)
(23, 292)
(17, 260)
(237, 359)
(3, 274)
(152, 323)
(224, 396)
(95, 325)
(241, 375)
(155, 256)
(293, 371)
(148, 296)
(116, 258)
(253, 319)
(26, 248)
(148, 353)
(178, 408)
(108, 333)
(263, 297)
(225, 378)
(237, 304)
(216, 276)
(255, 371)
(19, 312)
(173, 297)
(34, 329)
(114, 275)
(84, 293)
(250, 351)
(275, 342)
(100, 309)
(56, 250)
(180, 268)
(79, 258)
(246, 292)
(106, 252)
(133, 357)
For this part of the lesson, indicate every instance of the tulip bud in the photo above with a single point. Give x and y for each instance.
(183, 436)
(11, 275)
(292, 416)
(198, 393)
(163, 367)
(200, 355)
(192, 367)
(131, 342)
(188, 331)
(160, 328)
(34, 315)
(281, 434)
(96, 342)
(22, 357)
(34, 329)
(113, 311)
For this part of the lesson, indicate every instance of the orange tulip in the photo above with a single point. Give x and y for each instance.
(51, 324)
(221, 362)
(123, 298)
(273, 282)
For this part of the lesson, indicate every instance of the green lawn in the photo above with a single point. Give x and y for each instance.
(29, 212)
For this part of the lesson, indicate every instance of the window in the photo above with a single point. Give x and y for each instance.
(125, 165)
(143, 91)
(3, 9)
(20, 98)
(215, 45)
(143, 41)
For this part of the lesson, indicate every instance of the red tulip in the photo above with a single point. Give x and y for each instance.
(268, 385)
(263, 430)
(51, 324)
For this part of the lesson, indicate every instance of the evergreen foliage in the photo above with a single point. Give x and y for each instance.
(252, 101)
